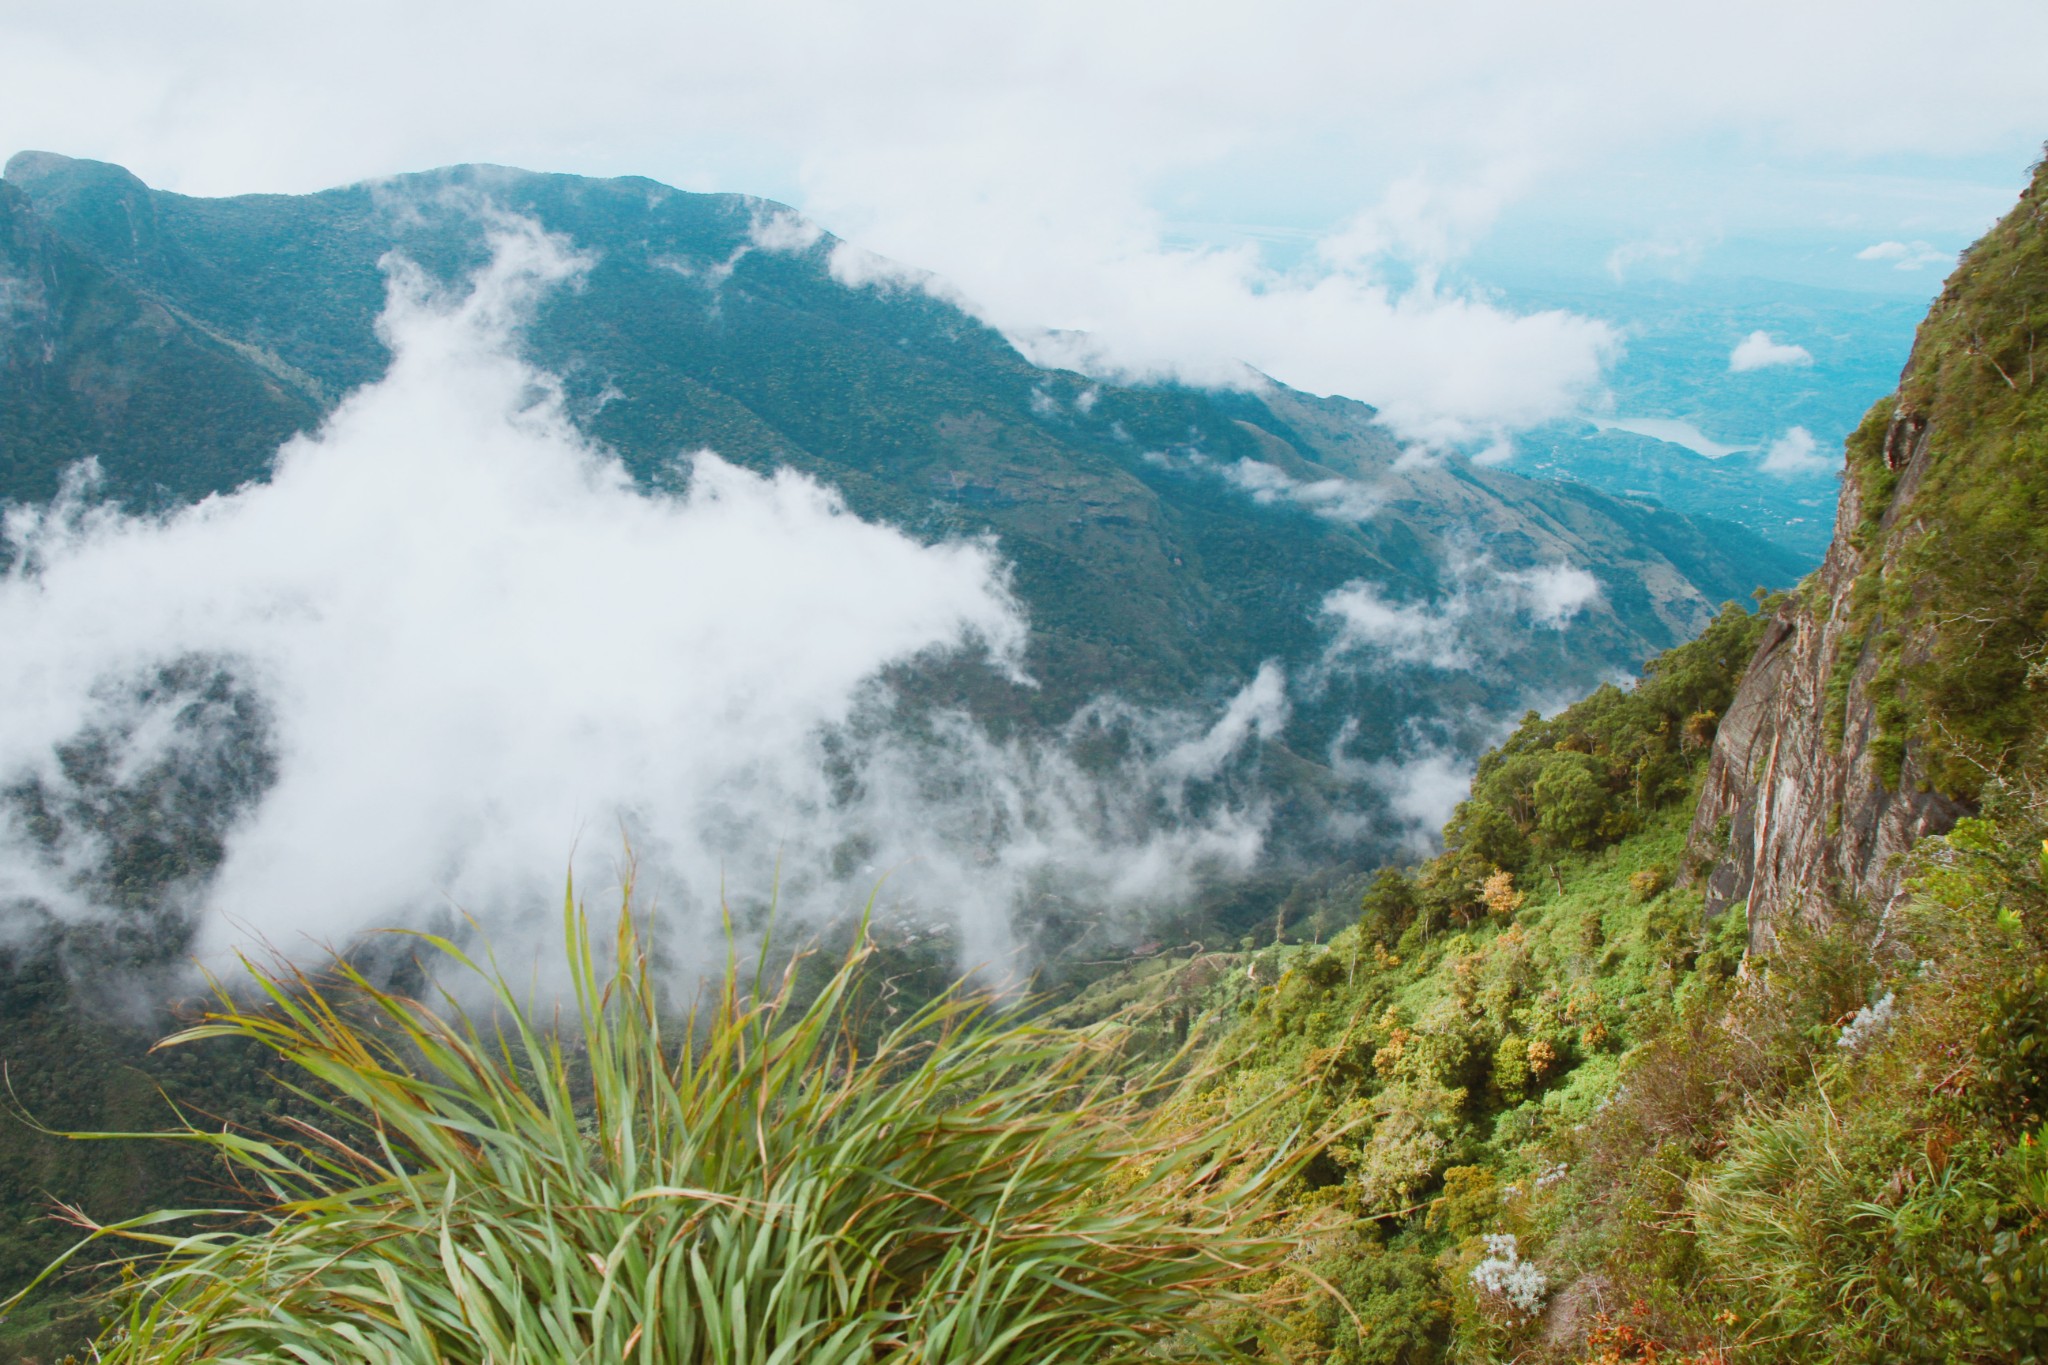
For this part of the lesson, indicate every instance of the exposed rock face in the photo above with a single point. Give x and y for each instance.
(1794, 818)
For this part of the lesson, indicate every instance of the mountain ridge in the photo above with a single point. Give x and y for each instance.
(1166, 543)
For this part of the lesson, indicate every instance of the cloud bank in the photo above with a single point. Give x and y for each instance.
(1198, 188)
(449, 644)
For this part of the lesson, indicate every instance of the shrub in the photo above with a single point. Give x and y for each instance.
(1650, 882)
(1499, 895)
(1389, 904)
(1490, 834)
(754, 1188)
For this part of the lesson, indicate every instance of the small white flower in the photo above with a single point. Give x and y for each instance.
(1506, 1276)
(1870, 1021)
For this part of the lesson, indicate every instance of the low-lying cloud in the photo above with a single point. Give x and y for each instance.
(1339, 499)
(1453, 633)
(453, 644)
(1371, 318)
(1758, 352)
(1268, 485)
(1906, 255)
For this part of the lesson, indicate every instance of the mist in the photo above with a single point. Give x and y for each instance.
(449, 652)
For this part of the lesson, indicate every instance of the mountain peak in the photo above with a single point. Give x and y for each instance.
(39, 173)
(103, 206)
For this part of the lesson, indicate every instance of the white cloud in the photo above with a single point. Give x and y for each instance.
(1442, 366)
(772, 229)
(476, 648)
(1336, 498)
(1757, 351)
(1461, 629)
(783, 230)
(858, 268)
(1669, 429)
(1906, 255)
(1395, 632)
(1422, 790)
(1418, 786)
(1669, 258)
(1553, 594)
(1796, 455)
(1498, 451)
(1043, 156)
(1259, 711)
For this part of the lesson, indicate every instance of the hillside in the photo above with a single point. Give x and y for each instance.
(1902, 682)
(1714, 1034)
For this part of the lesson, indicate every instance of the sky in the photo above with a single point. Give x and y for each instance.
(1343, 195)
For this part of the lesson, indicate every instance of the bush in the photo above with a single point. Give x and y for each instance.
(1650, 882)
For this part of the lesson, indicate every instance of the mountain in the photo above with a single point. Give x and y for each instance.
(1166, 542)
(1701, 1041)
(1162, 537)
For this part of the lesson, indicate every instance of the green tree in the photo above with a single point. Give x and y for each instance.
(1571, 802)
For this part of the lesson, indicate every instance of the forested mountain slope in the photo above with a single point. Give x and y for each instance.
(1571, 1104)
(1576, 1098)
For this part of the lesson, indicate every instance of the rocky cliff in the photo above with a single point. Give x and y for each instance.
(1796, 813)
(1901, 685)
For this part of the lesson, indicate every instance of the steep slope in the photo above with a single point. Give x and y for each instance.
(1905, 676)
(1563, 1115)
(94, 367)
(1578, 1109)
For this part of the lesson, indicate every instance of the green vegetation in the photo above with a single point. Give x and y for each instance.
(1956, 576)
(750, 1186)
(1540, 1108)
(1444, 1048)
(1560, 1119)
(1596, 772)
(1528, 1102)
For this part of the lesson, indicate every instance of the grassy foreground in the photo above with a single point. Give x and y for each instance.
(741, 1183)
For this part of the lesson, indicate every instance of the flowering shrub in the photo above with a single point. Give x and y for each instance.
(1499, 895)
(1870, 1021)
(1515, 1288)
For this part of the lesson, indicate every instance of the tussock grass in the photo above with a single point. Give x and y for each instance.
(744, 1185)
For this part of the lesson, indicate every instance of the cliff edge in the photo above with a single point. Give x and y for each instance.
(1907, 679)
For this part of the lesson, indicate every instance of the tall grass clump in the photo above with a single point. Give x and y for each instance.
(742, 1184)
